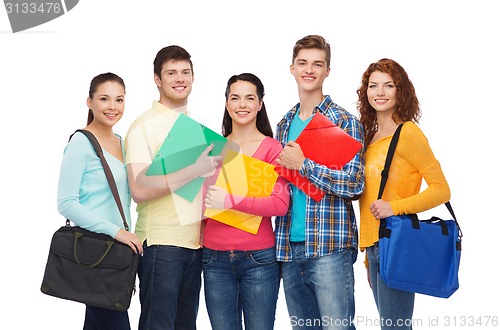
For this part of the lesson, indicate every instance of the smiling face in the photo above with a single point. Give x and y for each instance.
(381, 92)
(310, 69)
(107, 103)
(243, 103)
(175, 83)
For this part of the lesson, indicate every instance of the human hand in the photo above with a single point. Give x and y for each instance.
(206, 165)
(130, 239)
(292, 156)
(215, 197)
(381, 209)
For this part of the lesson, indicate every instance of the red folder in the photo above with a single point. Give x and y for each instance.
(324, 143)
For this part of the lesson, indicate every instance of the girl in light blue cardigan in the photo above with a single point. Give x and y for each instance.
(84, 196)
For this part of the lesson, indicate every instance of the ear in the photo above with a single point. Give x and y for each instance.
(157, 80)
(89, 103)
(291, 69)
(260, 105)
(327, 72)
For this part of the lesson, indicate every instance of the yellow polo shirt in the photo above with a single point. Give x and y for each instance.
(161, 221)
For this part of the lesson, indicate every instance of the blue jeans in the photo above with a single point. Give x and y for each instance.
(319, 292)
(239, 282)
(169, 284)
(395, 307)
(97, 318)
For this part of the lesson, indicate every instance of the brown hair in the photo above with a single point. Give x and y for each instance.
(407, 106)
(262, 121)
(96, 82)
(168, 53)
(313, 42)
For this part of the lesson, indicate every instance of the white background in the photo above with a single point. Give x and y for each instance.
(449, 49)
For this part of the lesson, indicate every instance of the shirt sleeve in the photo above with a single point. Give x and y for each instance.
(347, 182)
(415, 149)
(71, 178)
(275, 204)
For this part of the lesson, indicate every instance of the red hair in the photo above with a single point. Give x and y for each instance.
(407, 106)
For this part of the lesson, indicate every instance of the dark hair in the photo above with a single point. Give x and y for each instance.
(407, 106)
(168, 53)
(262, 120)
(96, 82)
(313, 42)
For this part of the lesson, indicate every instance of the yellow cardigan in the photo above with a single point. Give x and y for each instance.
(413, 160)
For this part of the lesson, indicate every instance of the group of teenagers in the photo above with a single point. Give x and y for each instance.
(309, 246)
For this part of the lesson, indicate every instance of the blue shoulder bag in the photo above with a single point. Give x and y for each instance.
(421, 256)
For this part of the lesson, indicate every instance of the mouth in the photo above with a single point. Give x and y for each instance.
(381, 101)
(111, 115)
(179, 88)
(308, 78)
(242, 113)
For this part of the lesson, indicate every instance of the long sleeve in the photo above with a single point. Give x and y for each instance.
(83, 194)
(277, 202)
(347, 182)
(414, 149)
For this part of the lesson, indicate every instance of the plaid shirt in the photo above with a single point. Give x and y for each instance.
(331, 222)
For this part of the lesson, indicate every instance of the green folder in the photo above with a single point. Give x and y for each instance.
(185, 142)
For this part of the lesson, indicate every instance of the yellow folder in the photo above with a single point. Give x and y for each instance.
(244, 176)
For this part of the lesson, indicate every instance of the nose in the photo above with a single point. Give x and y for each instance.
(242, 103)
(179, 76)
(380, 91)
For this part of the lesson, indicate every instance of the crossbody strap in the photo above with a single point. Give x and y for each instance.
(388, 160)
(387, 165)
(107, 172)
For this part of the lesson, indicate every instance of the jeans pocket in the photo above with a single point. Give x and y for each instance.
(208, 256)
(263, 257)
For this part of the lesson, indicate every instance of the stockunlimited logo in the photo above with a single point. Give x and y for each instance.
(27, 14)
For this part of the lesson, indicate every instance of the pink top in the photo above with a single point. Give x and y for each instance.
(222, 237)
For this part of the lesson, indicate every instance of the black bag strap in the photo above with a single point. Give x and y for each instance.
(107, 172)
(387, 165)
(388, 160)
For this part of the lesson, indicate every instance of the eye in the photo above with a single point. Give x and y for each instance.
(120, 100)
(372, 86)
(103, 99)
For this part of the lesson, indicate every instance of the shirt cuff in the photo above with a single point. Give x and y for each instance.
(307, 167)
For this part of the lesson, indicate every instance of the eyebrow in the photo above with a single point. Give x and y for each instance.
(315, 61)
(387, 82)
(181, 70)
(121, 95)
(245, 95)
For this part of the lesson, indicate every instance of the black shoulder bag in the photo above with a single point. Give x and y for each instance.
(88, 267)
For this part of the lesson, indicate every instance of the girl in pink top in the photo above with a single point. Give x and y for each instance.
(241, 276)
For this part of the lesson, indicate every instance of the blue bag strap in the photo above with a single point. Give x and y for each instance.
(107, 171)
(387, 165)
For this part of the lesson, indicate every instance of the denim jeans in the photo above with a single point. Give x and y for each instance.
(239, 282)
(395, 307)
(97, 318)
(169, 284)
(319, 292)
